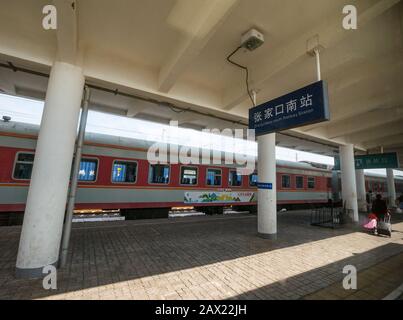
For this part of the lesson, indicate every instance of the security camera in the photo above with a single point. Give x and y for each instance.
(6, 118)
(252, 39)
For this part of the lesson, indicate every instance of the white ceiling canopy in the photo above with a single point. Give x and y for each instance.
(171, 56)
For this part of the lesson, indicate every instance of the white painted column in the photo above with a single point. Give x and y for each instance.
(267, 198)
(361, 192)
(348, 183)
(46, 203)
(391, 187)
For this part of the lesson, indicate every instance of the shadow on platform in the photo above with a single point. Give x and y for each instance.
(109, 253)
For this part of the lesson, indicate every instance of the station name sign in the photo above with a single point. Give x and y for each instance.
(304, 106)
(373, 161)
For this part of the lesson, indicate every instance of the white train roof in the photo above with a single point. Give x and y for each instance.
(33, 129)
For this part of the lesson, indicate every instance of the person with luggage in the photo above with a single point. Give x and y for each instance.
(379, 219)
(379, 207)
(372, 223)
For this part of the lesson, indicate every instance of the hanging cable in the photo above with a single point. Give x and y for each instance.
(244, 68)
(175, 110)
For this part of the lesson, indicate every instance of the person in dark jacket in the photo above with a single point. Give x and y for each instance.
(379, 207)
(400, 200)
(368, 199)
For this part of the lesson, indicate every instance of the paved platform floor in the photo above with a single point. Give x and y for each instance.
(373, 283)
(217, 257)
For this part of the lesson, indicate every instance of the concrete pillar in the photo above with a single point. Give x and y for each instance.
(348, 183)
(361, 192)
(267, 198)
(46, 202)
(391, 187)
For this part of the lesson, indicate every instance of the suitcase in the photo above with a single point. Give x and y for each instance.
(385, 227)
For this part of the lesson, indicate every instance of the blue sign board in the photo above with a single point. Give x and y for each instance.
(301, 107)
(264, 185)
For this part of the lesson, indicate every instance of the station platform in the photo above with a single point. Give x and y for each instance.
(374, 283)
(211, 257)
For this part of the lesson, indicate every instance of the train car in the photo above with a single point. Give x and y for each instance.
(374, 182)
(115, 174)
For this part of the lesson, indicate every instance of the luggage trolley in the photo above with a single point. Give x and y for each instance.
(384, 227)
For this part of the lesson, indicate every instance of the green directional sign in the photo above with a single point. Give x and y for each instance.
(372, 161)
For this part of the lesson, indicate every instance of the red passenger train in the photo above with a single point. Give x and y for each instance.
(115, 174)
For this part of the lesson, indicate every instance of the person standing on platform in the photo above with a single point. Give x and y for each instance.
(368, 199)
(401, 201)
(379, 207)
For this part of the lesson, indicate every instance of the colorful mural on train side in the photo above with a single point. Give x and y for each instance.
(219, 196)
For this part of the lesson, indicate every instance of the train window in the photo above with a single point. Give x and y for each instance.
(311, 182)
(253, 180)
(124, 171)
(234, 179)
(299, 182)
(23, 165)
(189, 175)
(285, 181)
(88, 170)
(159, 173)
(213, 177)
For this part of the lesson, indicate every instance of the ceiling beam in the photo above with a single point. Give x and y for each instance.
(128, 106)
(330, 33)
(373, 74)
(134, 110)
(392, 141)
(202, 18)
(322, 138)
(136, 106)
(66, 32)
(6, 86)
(382, 132)
(382, 100)
(342, 110)
(185, 117)
(372, 119)
(221, 125)
(30, 93)
(104, 108)
(364, 69)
